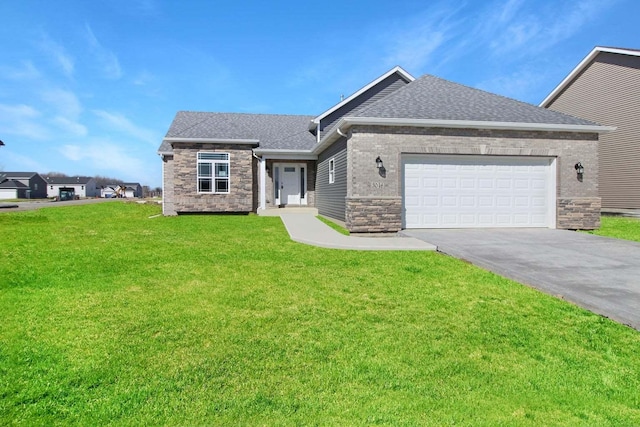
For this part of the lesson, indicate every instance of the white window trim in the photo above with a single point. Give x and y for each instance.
(332, 170)
(213, 162)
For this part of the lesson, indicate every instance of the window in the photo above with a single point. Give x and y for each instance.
(302, 184)
(213, 173)
(332, 171)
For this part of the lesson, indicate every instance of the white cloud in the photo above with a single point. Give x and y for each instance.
(70, 126)
(517, 26)
(104, 157)
(22, 121)
(120, 123)
(107, 60)
(58, 54)
(413, 43)
(25, 71)
(64, 102)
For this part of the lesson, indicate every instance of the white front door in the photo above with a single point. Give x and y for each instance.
(291, 180)
(289, 187)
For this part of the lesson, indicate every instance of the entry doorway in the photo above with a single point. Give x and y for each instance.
(290, 184)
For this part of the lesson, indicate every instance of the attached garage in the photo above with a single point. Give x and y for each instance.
(458, 191)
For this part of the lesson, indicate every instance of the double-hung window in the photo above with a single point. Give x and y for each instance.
(213, 173)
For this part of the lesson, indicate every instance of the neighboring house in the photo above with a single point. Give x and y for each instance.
(399, 153)
(71, 187)
(605, 88)
(130, 190)
(22, 185)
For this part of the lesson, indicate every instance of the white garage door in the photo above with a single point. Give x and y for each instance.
(478, 191)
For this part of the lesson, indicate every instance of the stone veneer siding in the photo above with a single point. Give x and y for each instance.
(579, 213)
(243, 172)
(374, 215)
(168, 208)
(370, 189)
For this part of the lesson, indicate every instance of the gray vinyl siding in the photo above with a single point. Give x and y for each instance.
(384, 88)
(607, 92)
(330, 198)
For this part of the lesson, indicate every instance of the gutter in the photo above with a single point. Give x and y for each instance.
(214, 140)
(346, 122)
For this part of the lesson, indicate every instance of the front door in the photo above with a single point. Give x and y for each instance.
(290, 180)
(289, 190)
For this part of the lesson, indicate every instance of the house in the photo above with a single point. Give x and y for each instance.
(22, 185)
(399, 153)
(132, 189)
(71, 187)
(605, 87)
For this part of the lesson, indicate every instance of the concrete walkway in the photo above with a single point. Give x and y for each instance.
(598, 273)
(306, 228)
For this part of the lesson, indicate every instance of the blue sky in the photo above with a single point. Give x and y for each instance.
(91, 87)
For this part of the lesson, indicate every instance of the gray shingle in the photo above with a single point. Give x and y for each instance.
(430, 97)
(273, 131)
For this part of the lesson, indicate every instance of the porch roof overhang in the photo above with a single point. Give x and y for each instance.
(346, 122)
(282, 154)
(213, 141)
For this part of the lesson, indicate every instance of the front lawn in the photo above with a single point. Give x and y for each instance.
(110, 317)
(619, 227)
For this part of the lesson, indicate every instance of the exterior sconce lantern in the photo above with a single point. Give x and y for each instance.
(379, 162)
(579, 168)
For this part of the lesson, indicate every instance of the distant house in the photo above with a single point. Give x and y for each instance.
(130, 190)
(22, 185)
(399, 153)
(605, 88)
(71, 187)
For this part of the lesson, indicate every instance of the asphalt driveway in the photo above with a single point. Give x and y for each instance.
(597, 273)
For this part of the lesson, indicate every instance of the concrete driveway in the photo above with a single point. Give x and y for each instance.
(597, 273)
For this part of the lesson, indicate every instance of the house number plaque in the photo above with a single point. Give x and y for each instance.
(375, 184)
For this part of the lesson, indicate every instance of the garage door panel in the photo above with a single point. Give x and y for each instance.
(478, 191)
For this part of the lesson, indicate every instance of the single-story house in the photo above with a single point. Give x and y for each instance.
(71, 187)
(605, 87)
(22, 185)
(399, 153)
(131, 189)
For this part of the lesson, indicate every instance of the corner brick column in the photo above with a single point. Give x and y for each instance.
(579, 213)
(373, 214)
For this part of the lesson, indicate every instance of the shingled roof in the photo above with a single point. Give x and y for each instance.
(271, 131)
(431, 97)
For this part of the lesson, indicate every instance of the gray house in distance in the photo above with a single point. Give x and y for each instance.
(22, 185)
(605, 88)
(399, 153)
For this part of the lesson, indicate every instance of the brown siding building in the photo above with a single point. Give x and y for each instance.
(605, 88)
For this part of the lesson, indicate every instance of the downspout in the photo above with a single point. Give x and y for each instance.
(341, 133)
(262, 182)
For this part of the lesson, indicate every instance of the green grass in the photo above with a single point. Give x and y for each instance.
(110, 317)
(333, 225)
(619, 227)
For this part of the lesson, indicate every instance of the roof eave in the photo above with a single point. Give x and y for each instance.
(284, 154)
(581, 66)
(347, 122)
(171, 140)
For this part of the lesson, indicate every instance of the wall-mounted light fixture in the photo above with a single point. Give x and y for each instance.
(379, 164)
(579, 169)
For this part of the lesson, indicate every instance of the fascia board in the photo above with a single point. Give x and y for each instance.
(473, 124)
(396, 69)
(347, 122)
(285, 154)
(581, 66)
(214, 140)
